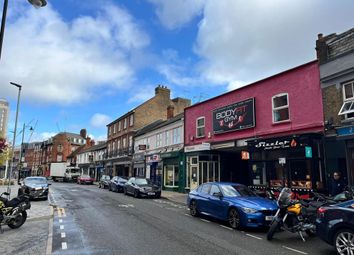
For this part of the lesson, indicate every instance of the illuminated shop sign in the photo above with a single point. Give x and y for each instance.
(233, 117)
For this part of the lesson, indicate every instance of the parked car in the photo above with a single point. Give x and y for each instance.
(36, 187)
(104, 181)
(231, 202)
(85, 179)
(335, 225)
(141, 187)
(116, 184)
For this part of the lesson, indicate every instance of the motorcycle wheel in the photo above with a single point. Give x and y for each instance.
(19, 220)
(273, 228)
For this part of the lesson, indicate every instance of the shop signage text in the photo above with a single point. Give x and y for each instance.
(234, 117)
(276, 144)
(198, 147)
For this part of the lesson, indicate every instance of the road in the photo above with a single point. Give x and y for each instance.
(89, 220)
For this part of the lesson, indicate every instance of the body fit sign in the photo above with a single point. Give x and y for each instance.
(234, 117)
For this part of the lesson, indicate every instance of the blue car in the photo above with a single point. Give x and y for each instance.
(231, 202)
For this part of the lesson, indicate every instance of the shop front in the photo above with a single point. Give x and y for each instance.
(139, 164)
(154, 168)
(173, 171)
(292, 161)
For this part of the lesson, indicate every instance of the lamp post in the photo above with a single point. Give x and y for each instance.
(21, 149)
(35, 3)
(9, 174)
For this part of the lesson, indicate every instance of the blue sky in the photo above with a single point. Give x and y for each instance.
(83, 64)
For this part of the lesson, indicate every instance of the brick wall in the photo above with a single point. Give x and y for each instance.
(332, 102)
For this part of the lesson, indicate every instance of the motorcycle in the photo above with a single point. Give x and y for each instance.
(13, 212)
(294, 216)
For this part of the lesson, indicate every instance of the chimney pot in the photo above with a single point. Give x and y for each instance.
(320, 36)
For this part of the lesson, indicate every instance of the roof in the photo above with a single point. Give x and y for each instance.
(148, 127)
(77, 151)
(159, 124)
(73, 135)
(95, 147)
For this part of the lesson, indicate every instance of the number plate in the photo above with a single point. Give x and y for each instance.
(151, 193)
(269, 218)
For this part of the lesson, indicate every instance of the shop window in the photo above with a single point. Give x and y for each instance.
(259, 176)
(280, 104)
(300, 174)
(171, 175)
(200, 127)
(347, 108)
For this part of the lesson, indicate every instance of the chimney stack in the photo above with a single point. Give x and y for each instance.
(83, 133)
(88, 141)
(321, 49)
(170, 111)
(162, 90)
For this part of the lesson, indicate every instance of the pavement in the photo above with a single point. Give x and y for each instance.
(31, 237)
(180, 198)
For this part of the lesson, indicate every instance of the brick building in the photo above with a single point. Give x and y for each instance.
(122, 130)
(335, 53)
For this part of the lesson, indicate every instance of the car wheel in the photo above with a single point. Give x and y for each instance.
(19, 193)
(136, 193)
(158, 195)
(109, 188)
(273, 228)
(344, 241)
(234, 218)
(193, 210)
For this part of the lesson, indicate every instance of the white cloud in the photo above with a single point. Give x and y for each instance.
(176, 13)
(144, 93)
(98, 138)
(65, 62)
(99, 120)
(39, 137)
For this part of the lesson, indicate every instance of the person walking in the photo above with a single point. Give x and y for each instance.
(337, 184)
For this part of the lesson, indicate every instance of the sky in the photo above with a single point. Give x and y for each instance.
(83, 64)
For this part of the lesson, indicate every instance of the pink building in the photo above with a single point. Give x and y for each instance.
(268, 133)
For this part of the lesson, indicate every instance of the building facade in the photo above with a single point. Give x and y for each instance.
(121, 131)
(159, 153)
(335, 54)
(268, 133)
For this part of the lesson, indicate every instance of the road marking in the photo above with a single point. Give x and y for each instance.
(50, 233)
(259, 238)
(188, 214)
(63, 235)
(226, 227)
(204, 220)
(61, 226)
(64, 246)
(291, 249)
(60, 221)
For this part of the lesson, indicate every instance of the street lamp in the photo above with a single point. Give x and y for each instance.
(9, 170)
(36, 3)
(21, 149)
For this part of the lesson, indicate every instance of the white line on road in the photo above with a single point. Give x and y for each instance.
(64, 246)
(259, 238)
(60, 221)
(188, 214)
(63, 235)
(291, 249)
(226, 227)
(204, 220)
(61, 226)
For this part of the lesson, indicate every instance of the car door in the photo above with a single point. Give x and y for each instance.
(203, 196)
(130, 186)
(216, 204)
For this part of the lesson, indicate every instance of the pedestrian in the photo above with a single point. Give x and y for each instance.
(337, 184)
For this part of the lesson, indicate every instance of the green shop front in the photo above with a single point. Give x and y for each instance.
(173, 171)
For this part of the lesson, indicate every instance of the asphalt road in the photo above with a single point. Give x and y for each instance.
(90, 220)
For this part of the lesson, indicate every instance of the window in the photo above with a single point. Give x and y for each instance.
(167, 138)
(214, 189)
(201, 127)
(176, 135)
(131, 121)
(280, 104)
(171, 175)
(114, 128)
(114, 146)
(158, 140)
(119, 126)
(347, 108)
(205, 189)
(130, 141)
(125, 123)
(118, 145)
(124, 142)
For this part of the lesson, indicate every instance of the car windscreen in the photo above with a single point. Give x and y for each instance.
(74, 170)
(35, 180)
(85, 176)
(141, 181)
(237, 191)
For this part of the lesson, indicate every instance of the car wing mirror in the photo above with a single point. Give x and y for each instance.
(217, 194)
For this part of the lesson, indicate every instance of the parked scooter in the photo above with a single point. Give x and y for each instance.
(295, 216)
(13, 212)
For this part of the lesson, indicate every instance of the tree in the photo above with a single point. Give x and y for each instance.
(4, 151)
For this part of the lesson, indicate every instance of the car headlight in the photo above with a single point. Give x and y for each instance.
(38, 188)
(248, 210)
(141, 189)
